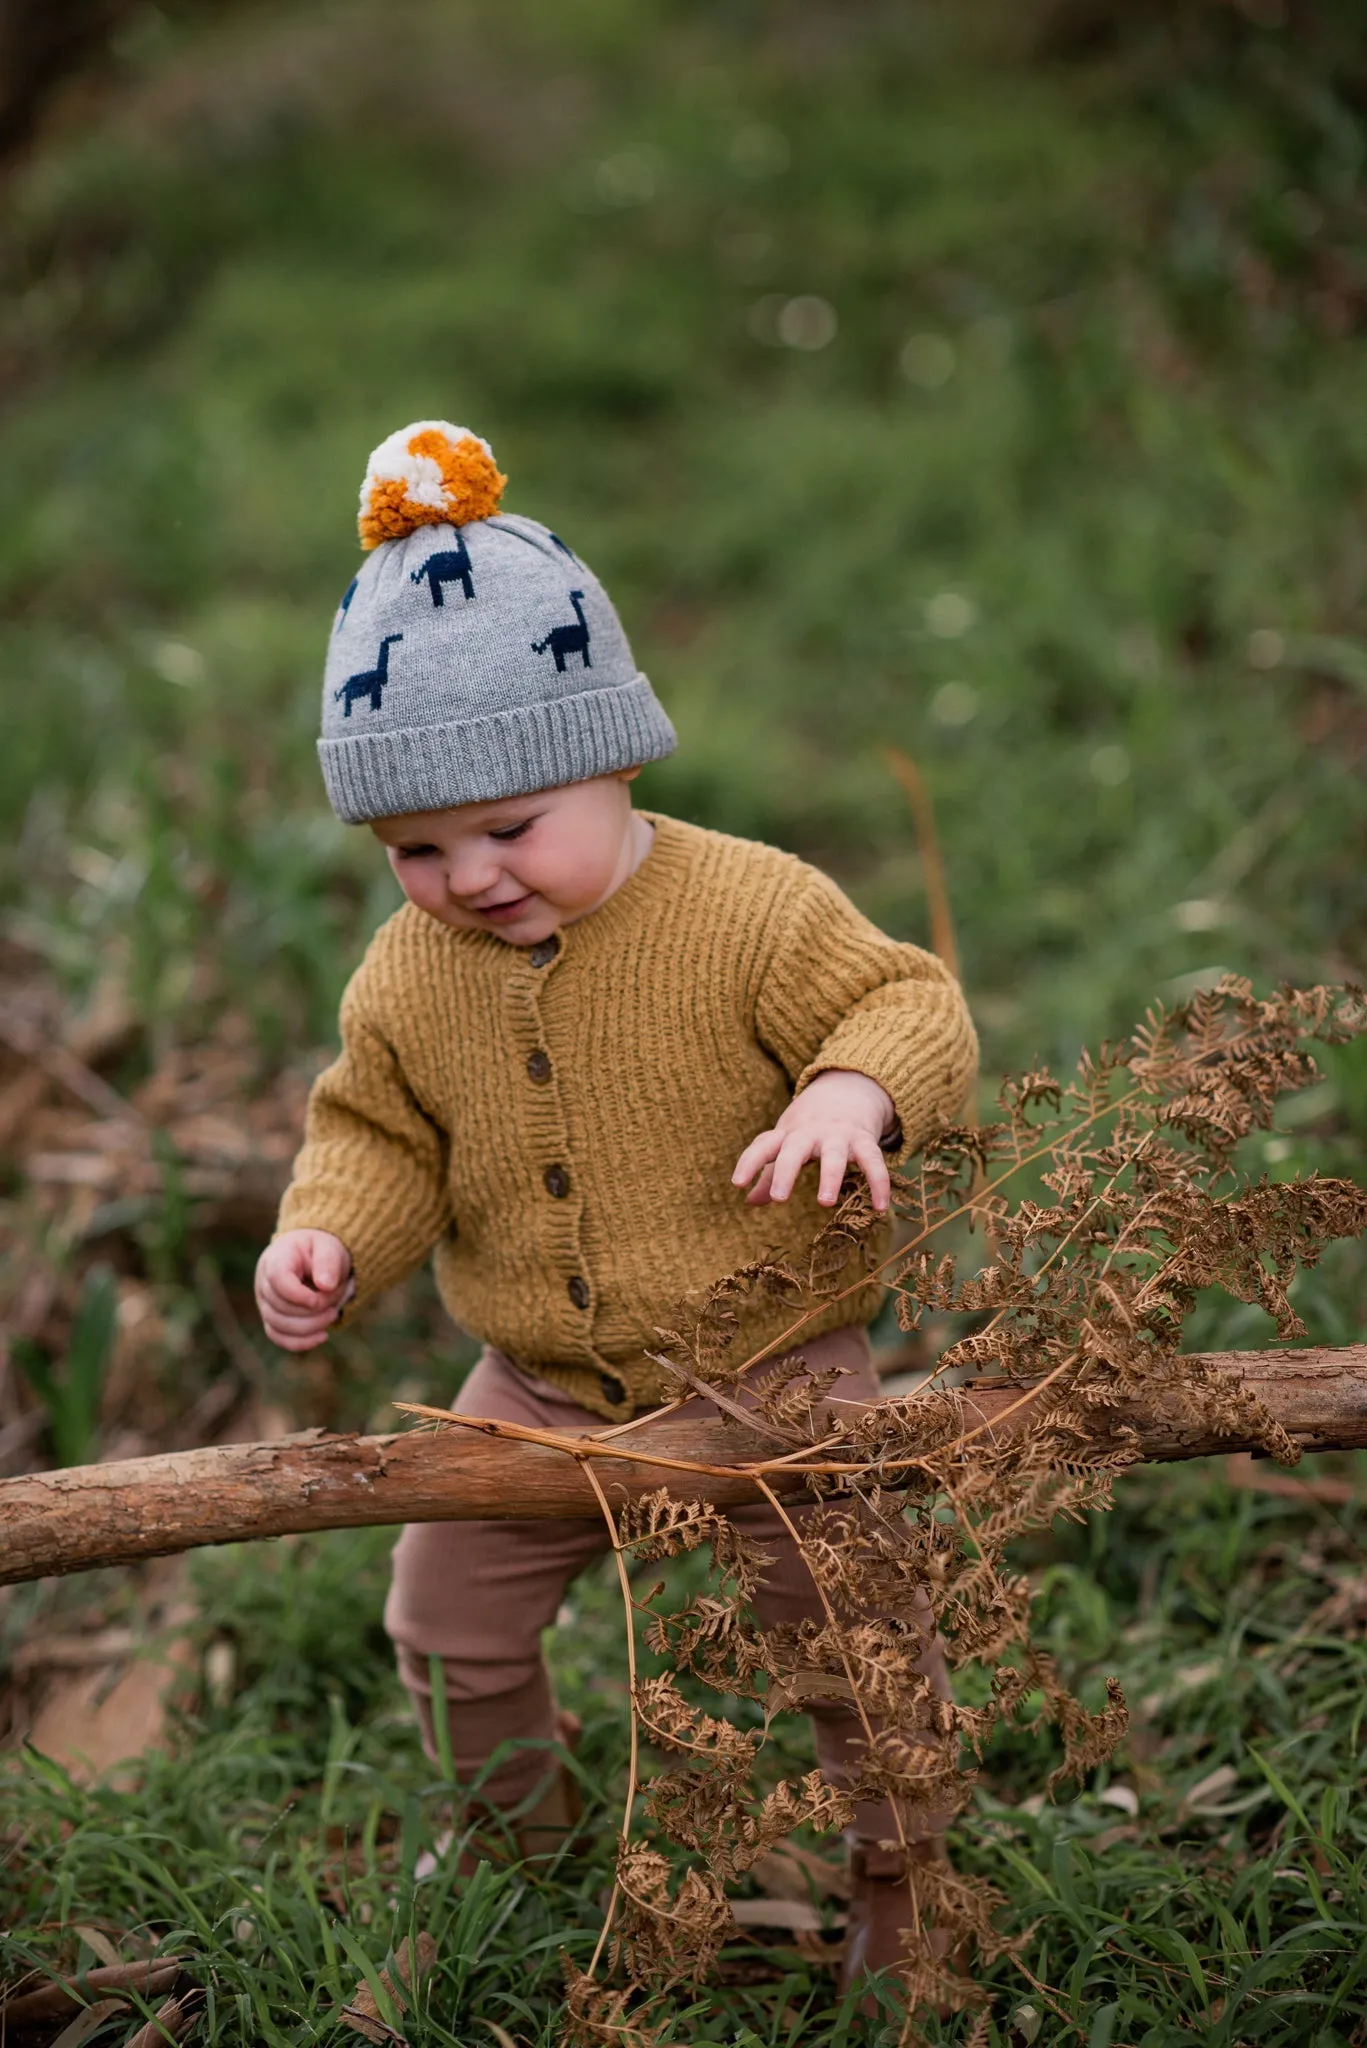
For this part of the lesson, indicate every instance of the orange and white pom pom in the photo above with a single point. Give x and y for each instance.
(429, 474)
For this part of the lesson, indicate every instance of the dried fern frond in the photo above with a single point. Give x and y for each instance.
(598, 2016)
(1114, 1199)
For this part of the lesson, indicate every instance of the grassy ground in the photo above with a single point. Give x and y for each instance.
(1212, 1885)
(990, 391)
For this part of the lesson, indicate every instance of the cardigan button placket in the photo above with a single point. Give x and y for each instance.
(535, 1039)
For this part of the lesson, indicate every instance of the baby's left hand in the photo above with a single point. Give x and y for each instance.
(838, 1117)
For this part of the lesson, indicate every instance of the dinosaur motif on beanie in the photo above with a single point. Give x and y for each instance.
(474, 655)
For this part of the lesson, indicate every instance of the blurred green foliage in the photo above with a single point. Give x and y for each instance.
(907, 379)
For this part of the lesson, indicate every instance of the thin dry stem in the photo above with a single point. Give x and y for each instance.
(633, 1765)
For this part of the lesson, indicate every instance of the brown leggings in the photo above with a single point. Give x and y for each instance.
(478, 1595)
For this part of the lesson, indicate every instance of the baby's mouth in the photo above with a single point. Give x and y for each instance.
(511, 907)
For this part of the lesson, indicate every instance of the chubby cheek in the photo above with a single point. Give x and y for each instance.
(570, 872)
(421, 883)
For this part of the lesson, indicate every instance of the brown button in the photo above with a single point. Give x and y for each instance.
(612, 1387)
(544, 951)
(579, 1291)
(557, 1182)
(539, 1065)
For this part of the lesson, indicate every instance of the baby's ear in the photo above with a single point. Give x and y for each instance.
(628, 774)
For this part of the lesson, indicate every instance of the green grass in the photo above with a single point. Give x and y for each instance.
(1091, 552)
(1244, 1920)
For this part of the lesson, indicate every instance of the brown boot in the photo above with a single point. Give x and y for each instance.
(534, 1836)
(543, 1831)
(883, 1909)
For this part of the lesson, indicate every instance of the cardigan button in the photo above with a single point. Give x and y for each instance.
(580, 1294)
(612, 1388)
(538, 1065)
(544, 951)
(557, 1182)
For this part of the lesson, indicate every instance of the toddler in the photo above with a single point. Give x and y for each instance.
(582, 1065)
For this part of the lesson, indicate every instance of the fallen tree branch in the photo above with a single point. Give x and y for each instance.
(92, 1515)
(60, 1996)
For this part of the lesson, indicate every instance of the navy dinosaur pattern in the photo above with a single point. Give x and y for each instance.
(345, 606)
(451, 565)
(566, 640)
(371, 683)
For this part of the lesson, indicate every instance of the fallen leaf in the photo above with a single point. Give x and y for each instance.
(1024, 2025)
(1187, 1677)
(220, 1671)
(789, 1872)
(777, 1878)
(363, 2014)
(90, 1726)
(1099, 1844)
(364, 2018)
(72, 1653)
(1222, 1779)
(87, 2022)
(99, 1945)
(172, 2021)
(412, 1968)
(797, 1916)
(1123, 1796)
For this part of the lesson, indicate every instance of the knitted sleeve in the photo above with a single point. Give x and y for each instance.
(837, 992)
(373, 1167)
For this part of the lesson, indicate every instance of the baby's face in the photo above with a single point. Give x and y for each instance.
(520, 867)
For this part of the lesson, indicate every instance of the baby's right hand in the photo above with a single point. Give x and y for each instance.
(302, 1280)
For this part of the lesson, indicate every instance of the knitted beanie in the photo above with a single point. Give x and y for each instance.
(474, 656)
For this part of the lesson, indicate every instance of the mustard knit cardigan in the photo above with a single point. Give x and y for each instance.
(561, 1122)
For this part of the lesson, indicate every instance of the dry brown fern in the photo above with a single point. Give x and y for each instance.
(1112, 1199)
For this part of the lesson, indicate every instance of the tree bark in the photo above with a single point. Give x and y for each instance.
(91, 1515)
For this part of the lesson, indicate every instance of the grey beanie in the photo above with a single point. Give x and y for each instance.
(474, 656)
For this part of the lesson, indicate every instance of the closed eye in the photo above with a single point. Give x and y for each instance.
(506, 832)
(415, 852)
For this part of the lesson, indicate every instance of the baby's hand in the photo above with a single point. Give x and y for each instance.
(840, 1116)
(302, 1281)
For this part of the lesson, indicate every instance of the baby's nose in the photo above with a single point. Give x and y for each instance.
(469, 878)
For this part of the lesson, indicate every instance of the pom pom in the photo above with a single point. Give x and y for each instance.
(429, 474)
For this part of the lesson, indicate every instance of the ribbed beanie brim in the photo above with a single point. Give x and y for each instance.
(503, 753)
